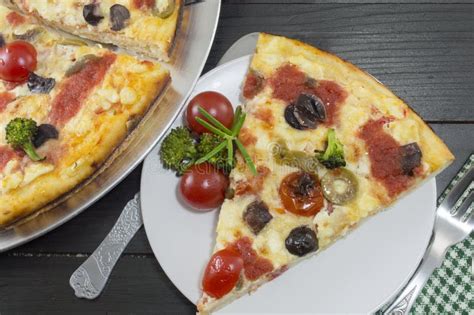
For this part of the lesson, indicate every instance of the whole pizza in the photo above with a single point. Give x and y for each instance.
(67, 103)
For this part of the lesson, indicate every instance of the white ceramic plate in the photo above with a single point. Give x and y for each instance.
(356, 275)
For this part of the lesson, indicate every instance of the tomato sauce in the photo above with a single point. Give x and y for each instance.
(143, 4)
(385, 157)
(6, 154)
(15, 19)
(253, 85)
(5, 98)
(77, 87)
(288, 82)
(255, 266)
(253, 185)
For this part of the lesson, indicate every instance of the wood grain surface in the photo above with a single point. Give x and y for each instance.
(423, 51)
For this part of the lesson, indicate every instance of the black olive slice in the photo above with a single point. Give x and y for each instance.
(2, 41)
(118, 17)
(45, 132)
(257, 216)
(301, 241)
(339, 186)
(290, 117)
(410, 157)
(91, 13)
(38, 84)
(306, 112)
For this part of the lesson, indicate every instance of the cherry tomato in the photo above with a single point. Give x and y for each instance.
(203, 186)
(222, 272)
(215, 104)
(17, 60)
(301, 194)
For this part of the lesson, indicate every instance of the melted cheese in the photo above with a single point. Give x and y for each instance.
(367, 99)
(127, 90)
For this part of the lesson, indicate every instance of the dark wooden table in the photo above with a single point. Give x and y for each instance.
(424, 51)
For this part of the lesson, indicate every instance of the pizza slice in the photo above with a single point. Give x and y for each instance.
(147, 27)
(63, 111)
(332, 147)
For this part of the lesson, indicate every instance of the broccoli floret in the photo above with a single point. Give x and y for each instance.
(178, 151)
(207, 143)
(333, 157)
(20, 133)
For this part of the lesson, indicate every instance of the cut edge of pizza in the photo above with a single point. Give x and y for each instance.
(304, 106)
(85, 100)
(145, 27)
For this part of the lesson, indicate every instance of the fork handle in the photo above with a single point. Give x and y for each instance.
(90, 278)
(432, 259)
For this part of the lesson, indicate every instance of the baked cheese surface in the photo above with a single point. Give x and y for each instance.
(145, 26)
(359, 109)
(97, 99)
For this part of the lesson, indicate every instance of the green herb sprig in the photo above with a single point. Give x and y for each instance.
(230, 137)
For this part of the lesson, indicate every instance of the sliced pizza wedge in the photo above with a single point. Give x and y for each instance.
(332, 147)
(65, 115)
(147, 27)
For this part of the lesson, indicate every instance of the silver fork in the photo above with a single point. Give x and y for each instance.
(453, 224)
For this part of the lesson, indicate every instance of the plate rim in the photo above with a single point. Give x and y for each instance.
(147, 161)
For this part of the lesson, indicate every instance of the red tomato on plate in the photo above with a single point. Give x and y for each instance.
(17, 60)
(203, 186)
(222, 272)
(215, 104)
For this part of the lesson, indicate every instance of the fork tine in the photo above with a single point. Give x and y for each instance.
(464, 206)
(457, 191)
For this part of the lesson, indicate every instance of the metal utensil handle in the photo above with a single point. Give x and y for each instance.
(90, 278)
(432, 259)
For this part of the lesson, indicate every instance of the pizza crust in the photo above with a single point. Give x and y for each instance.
(146, 34)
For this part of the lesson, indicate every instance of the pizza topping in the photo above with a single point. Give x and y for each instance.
(38, 84)
(222, 272)
(339, 186)
(119, 15)
(79, 65)
(164, 9)
(306, 112)
(255, 266)
(254, 184)
(299, 159)
(411, 157)
(389, 162)
(29, 35)
(91, 13)
(17, 60)
(6, 155)
(257, 216)
(301, 241)
(301, 194)
(333, 156)
(2, 41)
(20, 133)
(45, 132)
(332, 95)
(254, 83)
(5, 99)
(77, 87)
(288, 82)
(143, 4)
(15, 19)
